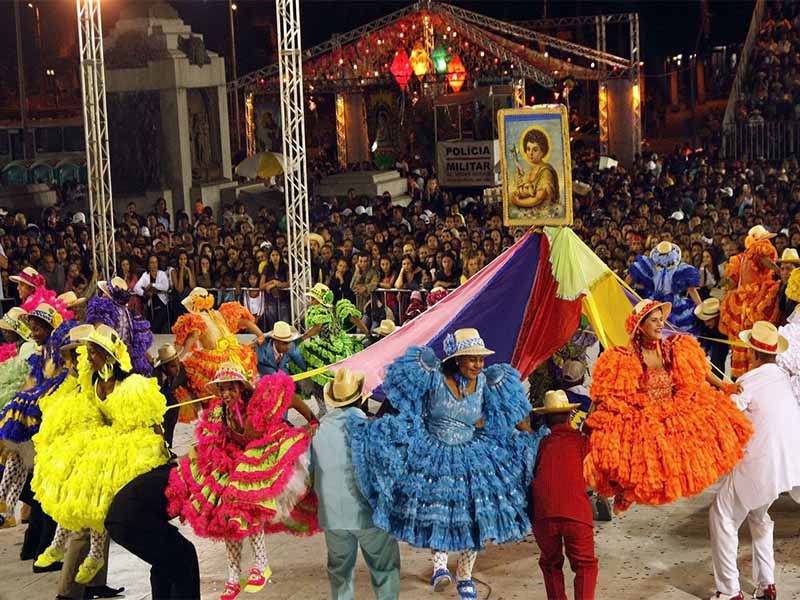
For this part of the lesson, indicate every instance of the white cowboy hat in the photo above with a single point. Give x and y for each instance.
(47, 314)
(14, 320)
(759, 232)
(790, 256)
(465, 342)
(322, 294)
(764, 338)
(386, 327)
(644, 308)
(346, 388)
(230, 371)
(315, 237)
(556, 402)
(283, 332)
(117, 282)
(166, 353)
(28, 276)
(708, 309)
(77, 336)
(198, 292)
(71, 299)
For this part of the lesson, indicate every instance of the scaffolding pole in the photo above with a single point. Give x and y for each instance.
(95, 119)
(290, 62)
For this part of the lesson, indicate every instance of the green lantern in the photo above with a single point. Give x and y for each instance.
(439, 58)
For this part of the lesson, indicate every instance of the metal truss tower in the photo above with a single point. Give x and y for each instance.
(93, 85)
(290, 63)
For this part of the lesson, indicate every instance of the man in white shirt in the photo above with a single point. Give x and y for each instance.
(771, 465)
(153, 286)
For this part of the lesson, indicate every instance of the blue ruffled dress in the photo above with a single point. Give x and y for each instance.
(662, 277)
(433, 479)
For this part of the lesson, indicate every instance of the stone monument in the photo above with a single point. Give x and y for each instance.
(167, 109)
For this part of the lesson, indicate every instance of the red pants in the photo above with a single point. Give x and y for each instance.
(578, 542)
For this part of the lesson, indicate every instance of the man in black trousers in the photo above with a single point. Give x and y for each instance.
(138, 521)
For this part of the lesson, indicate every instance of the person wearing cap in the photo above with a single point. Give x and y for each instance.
(344, 514)
(452, 446)
(662, 425)
(788, 263)
(32, 292)
(711, 338)
(752, 292)
(258, 466)
(206, 337)
(770, 467)
(20, 416)
(122, 444)
(174, 384)
(111, 308)
(561, 512)
(663, 276)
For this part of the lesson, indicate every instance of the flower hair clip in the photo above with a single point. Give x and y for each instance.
(449, 344)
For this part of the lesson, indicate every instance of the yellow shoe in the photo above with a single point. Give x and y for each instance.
(88, 570)
(7, 522)
(257, 580)
(48, 557)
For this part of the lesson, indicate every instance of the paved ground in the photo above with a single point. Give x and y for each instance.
(657, 553)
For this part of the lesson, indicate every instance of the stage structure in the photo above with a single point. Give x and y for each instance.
(294, 152)
(93, 86)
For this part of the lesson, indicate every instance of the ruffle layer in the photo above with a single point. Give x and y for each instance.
(233, 312)
(44, 296)
(7, 351)
(201, 365)
(322, 351)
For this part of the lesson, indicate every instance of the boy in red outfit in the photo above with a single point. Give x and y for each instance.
(561, 510)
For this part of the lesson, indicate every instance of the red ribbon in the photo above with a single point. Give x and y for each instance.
(762, 345)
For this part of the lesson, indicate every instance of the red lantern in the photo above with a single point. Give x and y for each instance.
(456, 73)
(401, 68)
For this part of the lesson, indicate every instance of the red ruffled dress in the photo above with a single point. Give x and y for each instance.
(660, 434)
(755, 297)
(229, 491)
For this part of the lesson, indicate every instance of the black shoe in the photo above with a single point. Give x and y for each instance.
(51, 569)
(602, 508)
(101, 591)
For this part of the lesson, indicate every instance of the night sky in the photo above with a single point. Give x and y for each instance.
(667, 27)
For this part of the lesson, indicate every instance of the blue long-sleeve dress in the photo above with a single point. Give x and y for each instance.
(433, 479)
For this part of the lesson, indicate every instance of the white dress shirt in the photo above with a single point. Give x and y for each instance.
(161, 285)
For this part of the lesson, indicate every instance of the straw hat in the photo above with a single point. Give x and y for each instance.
(47, 314)
(166, 353)
(71, 299)
(322, 294)
(315, 237)
(789, 256)
(644, 308)
(117, 282)
(764, 338)
(28, 276)
(109, 340)
(386, 327)
(230, 371)
(465, 342)
(196, 294)
(708, 309)
(14, 320)
(759, 232)
(664, 247)
(345, 389)
(573, 371)
(77, 336)
(283, 332)
(556, 402)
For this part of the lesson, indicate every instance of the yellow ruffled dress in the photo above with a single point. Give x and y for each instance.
(91, 455)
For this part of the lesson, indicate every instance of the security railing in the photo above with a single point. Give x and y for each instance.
(770, 140)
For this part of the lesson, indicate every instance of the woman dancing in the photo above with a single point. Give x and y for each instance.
(249, 474)
(662, 425)
(32, 293)
(450, 471)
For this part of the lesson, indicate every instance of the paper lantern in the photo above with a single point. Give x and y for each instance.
(401, 68)
(456, 73)
(439, 58)
(419, 61)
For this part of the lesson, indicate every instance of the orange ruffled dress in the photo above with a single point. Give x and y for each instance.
(202, 363)
(660, 434)
(755, 297)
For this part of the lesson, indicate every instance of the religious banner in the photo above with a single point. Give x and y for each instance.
(466, 164)
(535, 165)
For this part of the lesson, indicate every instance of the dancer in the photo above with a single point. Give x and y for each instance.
(752, 292)
(663, 276)
(32, 293)
(14, 367)
(789, 360)
(449, 472)
(121, 445)
(771, 466)
(208, 336)
(280, 351)
(255, 467)
(660, 429)
(561, 511)
(112, 309)
(344, 514)
(21, 416)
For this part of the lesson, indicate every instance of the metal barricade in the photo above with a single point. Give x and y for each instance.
(770, 140)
